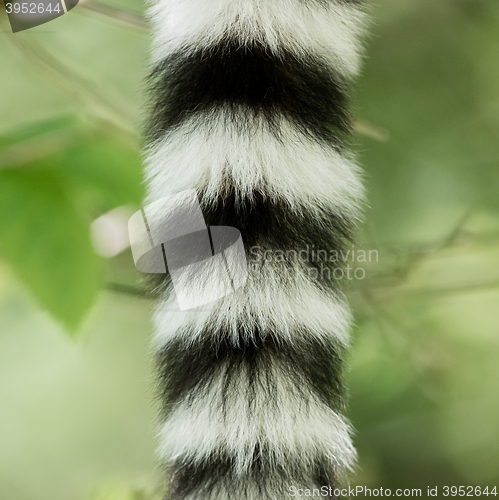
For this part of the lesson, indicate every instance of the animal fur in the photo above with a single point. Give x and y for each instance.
(250, 109)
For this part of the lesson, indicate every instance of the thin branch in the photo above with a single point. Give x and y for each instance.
(37, 148)
(117, 114)
(366, 128)
(114, 15)
(456, 232)
(128, 290)
(456, 290)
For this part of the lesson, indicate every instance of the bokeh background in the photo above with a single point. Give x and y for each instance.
(76, 397)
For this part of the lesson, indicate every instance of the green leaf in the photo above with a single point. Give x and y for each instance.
(38, 129)
(106, 172)
(47, 243)
(98, 170)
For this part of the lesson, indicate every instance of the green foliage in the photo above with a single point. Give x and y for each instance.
(68, 153)
(47, 243)
(424, 373)
(123, 493)
(104, 171)
(47, 199)
(431, 79)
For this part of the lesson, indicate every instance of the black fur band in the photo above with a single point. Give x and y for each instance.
(268, 224)
(306, 91)
(313, 367)
(216, 479)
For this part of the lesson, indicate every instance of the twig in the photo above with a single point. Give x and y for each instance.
(37, 148)
(128, 290)
(464, 288)
(115, 15)
(366, 128)
(81, 90)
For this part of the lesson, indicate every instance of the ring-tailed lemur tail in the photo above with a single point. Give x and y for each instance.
(250, 109)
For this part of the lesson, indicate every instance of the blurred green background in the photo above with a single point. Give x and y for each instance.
(76, 399)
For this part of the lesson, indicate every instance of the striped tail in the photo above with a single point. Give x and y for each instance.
(250, 110)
